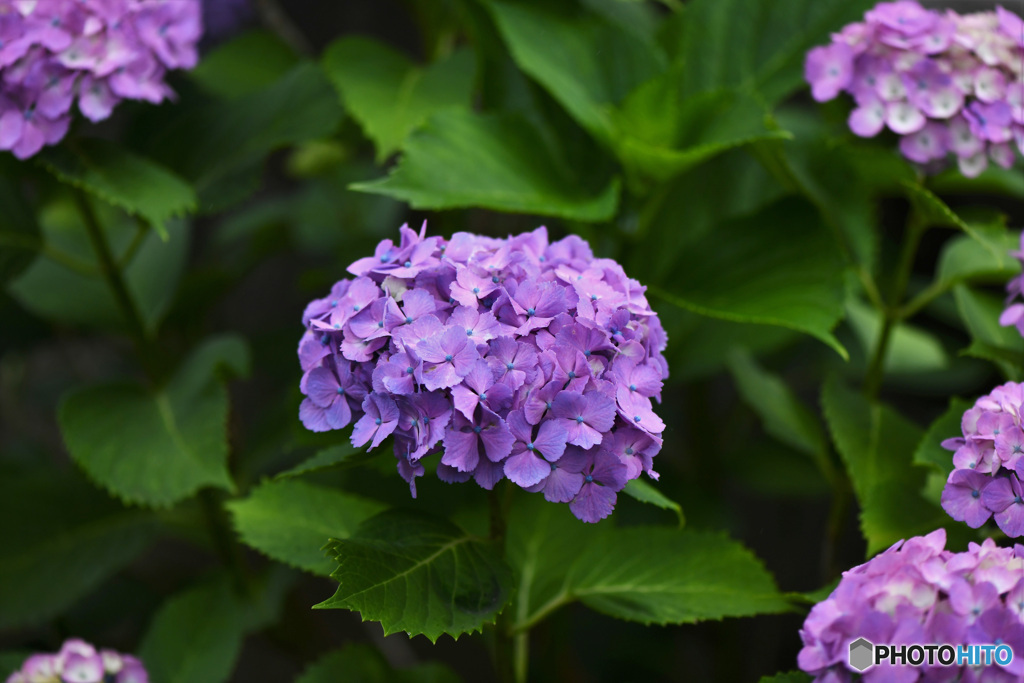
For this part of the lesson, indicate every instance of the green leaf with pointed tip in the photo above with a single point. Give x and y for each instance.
(62, 538)
(877, 445)
(420, 575)
(779, 266)
(964, 258)
(122, 178)
(244, 65)
(291, 521)
(937, 212)
(388, 94)
(980, 312)
(362, 664)
(585, 62)
(643, 491)
(156, 447)
(344, 455)
(500, 162)
(646, 574)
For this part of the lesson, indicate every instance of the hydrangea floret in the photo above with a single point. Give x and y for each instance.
(518, 358)
(916, 592)
(989, 463)
(944, 82)
(80, 662)
(55, 54)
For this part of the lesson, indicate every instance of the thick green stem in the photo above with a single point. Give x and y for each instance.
(506, 645)
(891, 313)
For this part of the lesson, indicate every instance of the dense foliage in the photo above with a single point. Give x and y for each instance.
(176, 484)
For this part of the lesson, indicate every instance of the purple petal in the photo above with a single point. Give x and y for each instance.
(593, 503)
(526, 469)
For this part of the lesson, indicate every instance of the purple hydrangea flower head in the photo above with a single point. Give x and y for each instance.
(59, 52)
(80, 662)
(988, 463)
(918, 592)
(516, 358)
(945, 83)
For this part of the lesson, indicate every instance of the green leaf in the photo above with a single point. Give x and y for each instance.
(937, 212)
(993, 180)
(138, 185)
(154, 448)
(643, 491)
(55, 291)
(197, 635)
(388, 94)
(930, 451)
(964, 258)
(336, 456)
(291, 521)
(877, 445)
(500, 162)
(19, 232)
(911, 349)
(663, 134)
(362, 664)
(62, 539)
(244, 65)
(420, 575)
(980, 312)
(759, 44)
(645, 574)
(586, 63)
(228, 142)
(777, 267)
(783, 415)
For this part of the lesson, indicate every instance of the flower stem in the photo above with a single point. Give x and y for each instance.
(509, 652)
(891, 313)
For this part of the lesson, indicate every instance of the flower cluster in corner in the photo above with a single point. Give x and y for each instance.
(944, 82)
(917, 592)
(80, 662)
(518, 358)
(56, 53)
(989, 463)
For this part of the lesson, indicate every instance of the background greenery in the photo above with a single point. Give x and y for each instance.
(828, 309)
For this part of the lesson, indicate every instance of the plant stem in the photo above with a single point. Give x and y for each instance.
(891, 313)
(223, 540)
(507, 653)
(142, 229)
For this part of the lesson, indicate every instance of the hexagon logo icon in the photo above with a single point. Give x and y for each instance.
(862, 654)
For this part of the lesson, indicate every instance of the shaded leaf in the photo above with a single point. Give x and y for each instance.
(499, 162)
(911, 349)
(154, 448)
(336, 456)
(777, 267)
(362, 664)
(62, 538)
(291, 521)
(964, 258)
(19, 232)
(388, 94)
(420, 575)
(244, 65)
(787, 677)
(119, 177)
(980, 312)
(645, 492)
(947, 426)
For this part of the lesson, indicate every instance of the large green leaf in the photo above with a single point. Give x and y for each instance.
(228, 142)
(586, 63)
(244, 65)
(57, 291)
(136, 184)
(420, 575)
(156, 447)
(362, 664)
(388, 94)
(645, 492)
(197, 635)
(645, 574)
(877, 445)
(500, 162)
(291, 521)
(780, 266)
(758, 44)
(61, 539)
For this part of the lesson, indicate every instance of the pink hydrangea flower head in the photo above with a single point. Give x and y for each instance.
(946, 84)
(80, 662)
(59, 53)
(514, 358)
